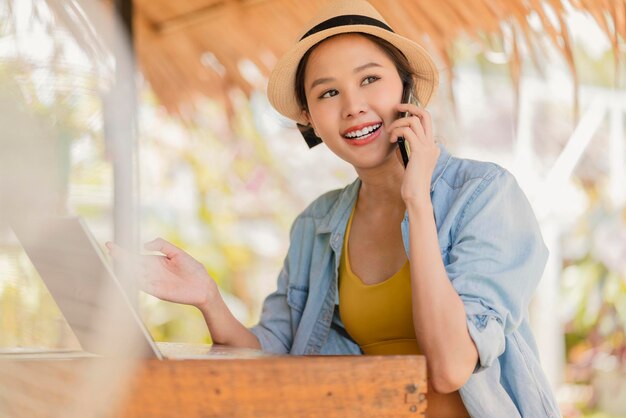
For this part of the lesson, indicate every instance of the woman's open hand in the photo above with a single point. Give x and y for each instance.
(174, 276)
(417, 132)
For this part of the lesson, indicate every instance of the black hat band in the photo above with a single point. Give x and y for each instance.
(346, 20)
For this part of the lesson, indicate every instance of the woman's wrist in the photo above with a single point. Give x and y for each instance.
(222, 324)
(211, 298)
(418, 204)
(216, 314)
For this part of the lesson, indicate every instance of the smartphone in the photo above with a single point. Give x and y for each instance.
(405, 151)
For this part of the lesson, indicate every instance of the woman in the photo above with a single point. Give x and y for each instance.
(439, 258)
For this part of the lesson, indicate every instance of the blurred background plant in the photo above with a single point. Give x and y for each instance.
(594, 305)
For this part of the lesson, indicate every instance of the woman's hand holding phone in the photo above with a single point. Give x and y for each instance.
(416, 129)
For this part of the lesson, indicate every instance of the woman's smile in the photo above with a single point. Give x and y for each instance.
(362, 134)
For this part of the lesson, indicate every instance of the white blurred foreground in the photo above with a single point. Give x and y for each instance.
(55, 56)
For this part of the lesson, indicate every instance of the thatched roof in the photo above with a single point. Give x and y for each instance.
(191, 48)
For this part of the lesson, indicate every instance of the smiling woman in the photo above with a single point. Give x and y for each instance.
(440, 257)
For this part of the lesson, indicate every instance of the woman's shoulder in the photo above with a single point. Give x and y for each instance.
(460, 172)
(329, 202)
(468, 189)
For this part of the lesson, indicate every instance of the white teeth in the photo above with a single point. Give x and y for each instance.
(362, 132)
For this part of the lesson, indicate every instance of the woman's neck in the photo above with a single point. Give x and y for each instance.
(380, 186)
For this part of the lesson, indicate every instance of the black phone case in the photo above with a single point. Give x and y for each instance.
(406, 98)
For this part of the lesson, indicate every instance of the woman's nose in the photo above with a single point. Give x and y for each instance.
(353, 104)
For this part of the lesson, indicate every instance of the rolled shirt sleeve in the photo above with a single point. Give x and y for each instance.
(495, 261)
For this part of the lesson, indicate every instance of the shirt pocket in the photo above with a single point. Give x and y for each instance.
(296, 297)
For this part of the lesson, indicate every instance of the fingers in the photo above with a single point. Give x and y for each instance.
(423, 115)
(158, 244)
(149, 272)
(118, 252)
(152, 266)
(110, 246)
(128, 265)
(419, 114)
(407, 127)
(412, 132)
(144, 283)
(167, 248)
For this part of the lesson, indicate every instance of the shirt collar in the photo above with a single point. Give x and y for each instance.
(339, 212)
(440, 167)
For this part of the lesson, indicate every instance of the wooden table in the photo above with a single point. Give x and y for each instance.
(215, 382)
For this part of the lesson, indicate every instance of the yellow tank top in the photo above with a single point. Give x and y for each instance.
(378, 317)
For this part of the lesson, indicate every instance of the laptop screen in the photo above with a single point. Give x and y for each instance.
(85, 287)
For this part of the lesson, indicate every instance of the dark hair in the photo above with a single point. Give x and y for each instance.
(405, 71)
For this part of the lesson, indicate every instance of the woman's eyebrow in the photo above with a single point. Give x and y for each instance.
(356, 70)
(366, 66)
(320, 81)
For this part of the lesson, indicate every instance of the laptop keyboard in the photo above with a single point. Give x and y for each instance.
(206, 351)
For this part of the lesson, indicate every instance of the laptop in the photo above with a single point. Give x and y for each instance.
(91, 297)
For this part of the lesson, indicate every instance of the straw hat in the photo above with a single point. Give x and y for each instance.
(345, 16)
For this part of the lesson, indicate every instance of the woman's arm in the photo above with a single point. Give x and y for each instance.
(224, 327)
(438, 311)
(463, 311)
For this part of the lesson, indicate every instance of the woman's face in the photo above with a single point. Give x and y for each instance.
(352, 89)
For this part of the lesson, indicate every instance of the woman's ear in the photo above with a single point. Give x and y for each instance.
(308, 131)
(305, 114)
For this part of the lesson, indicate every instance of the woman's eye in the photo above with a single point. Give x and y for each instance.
(370, 79)
(329, 93)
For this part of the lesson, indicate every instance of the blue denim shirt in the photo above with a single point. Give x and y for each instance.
(493, 253)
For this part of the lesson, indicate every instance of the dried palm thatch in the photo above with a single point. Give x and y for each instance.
(191, 48)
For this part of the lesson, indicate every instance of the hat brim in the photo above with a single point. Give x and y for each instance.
(281, 84)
